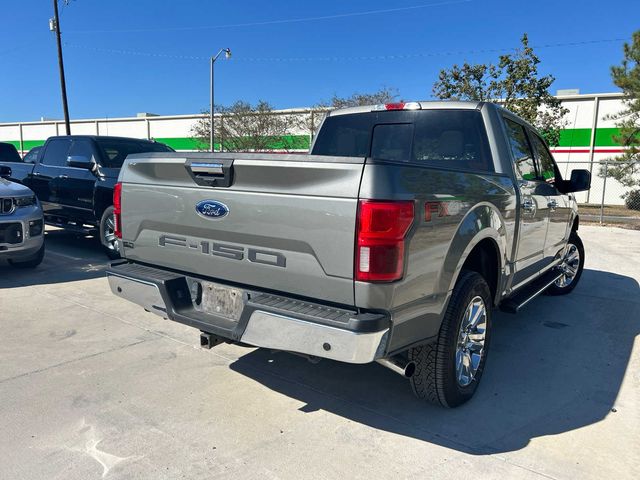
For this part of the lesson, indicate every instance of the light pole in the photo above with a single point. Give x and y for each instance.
(227, 54)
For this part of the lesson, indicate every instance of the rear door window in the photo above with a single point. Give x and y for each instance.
(521, 149)
(56, 152)
(32, 156)
(546, 166)
(81, 148)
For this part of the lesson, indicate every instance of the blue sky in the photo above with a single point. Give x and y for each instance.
(289, 64)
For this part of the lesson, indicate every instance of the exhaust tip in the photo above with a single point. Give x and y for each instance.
(399, 365)
(410, 369)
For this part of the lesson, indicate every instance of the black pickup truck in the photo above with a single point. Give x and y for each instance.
(73, 177)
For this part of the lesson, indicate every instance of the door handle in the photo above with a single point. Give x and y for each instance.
(552, 204)
(36, 174)
(528, 206)
(63, 176)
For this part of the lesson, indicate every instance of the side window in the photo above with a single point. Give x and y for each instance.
(56, 152)
(521, 150)
(32, 156)
(392, 142)
(546, 166)
(81, 148)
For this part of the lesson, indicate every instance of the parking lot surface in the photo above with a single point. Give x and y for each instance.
(92, 386)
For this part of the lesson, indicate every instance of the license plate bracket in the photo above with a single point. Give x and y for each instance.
(216, 299)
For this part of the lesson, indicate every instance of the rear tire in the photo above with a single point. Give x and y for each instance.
(440, 376)
(108, 238)
(30, 263)
(572, 265)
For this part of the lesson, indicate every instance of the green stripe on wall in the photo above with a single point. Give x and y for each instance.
(569, 137)
(180, 143)
(575, 137)
(604, 137)
(296, 142)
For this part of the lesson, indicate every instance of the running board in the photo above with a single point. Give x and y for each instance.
(523, 296)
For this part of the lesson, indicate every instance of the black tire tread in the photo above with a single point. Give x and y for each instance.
(431, 375)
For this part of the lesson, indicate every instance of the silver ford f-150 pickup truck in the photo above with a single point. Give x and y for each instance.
(392, 241)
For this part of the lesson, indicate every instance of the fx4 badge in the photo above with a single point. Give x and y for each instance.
(211, 209)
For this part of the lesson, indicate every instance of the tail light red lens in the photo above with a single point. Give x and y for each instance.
(117, 210)
(382, 228)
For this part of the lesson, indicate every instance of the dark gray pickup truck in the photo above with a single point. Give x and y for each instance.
(392, 241)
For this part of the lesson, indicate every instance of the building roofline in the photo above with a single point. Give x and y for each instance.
(194, 116)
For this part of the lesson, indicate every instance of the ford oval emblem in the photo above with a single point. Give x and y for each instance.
(211, 209)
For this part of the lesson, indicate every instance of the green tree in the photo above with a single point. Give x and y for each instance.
(626, 76)
(245, 127)
(384, 95)
(357, 99)
(514, 83)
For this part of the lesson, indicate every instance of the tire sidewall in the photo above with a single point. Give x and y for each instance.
(113, 254)
(554, 289)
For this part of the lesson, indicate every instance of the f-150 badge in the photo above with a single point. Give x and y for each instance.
(211, 209)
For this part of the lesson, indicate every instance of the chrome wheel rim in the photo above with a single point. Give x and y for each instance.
(109, 236)
(471, 338)
(569, 267)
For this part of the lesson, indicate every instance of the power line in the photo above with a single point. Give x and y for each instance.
(280, 21)
(405, 56)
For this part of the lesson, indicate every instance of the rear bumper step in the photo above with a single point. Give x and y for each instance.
(266, 320)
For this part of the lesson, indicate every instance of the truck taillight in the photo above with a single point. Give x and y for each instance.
(382, 228)
(117, 210)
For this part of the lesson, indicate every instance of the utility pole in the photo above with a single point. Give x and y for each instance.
(54, 25)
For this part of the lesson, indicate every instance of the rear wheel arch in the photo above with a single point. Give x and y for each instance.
(480, 240)
(485, 259)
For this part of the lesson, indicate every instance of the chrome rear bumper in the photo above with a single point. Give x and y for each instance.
(362, 341)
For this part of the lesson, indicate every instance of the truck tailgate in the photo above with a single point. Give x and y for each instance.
(290, 224)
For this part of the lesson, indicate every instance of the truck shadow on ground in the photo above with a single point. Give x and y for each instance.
(555, 367)
(68, 257)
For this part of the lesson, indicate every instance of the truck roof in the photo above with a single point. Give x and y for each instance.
(431, 105)
(102, 137)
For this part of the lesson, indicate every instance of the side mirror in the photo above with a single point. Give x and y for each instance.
(5, 172)
(80, 161)
(580, 181)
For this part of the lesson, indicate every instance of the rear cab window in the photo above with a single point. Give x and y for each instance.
(453, 139)
(9, 153)
(115, 151)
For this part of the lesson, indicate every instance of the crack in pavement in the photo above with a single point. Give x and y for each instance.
(67, 362)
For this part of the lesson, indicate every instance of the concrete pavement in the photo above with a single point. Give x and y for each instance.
(92, 386)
